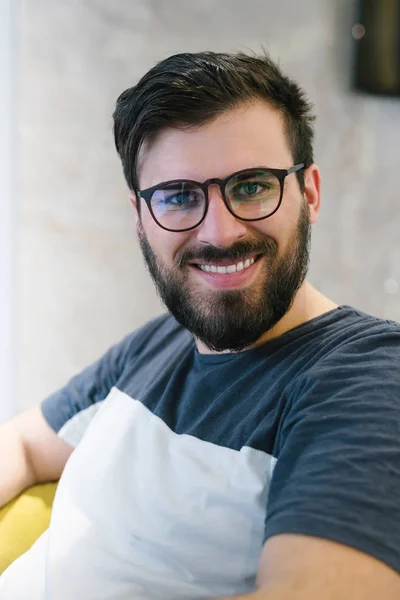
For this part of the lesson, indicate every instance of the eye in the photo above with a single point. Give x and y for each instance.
(177, 197)
(181, 198)
(258, 186)
(250, 188)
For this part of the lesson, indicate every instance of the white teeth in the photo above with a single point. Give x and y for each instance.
(229, 268)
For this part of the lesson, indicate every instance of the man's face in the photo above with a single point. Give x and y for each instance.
(226, 312)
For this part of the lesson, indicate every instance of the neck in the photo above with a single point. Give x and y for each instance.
(308, 304)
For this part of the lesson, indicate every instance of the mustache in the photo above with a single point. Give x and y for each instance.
(237, 252)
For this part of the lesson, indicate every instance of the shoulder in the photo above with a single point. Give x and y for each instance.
(357, 374)
(364, 324)
(358, 337)
(159, 330)
(81, 396)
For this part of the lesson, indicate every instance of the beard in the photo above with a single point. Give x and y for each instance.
(232, 320)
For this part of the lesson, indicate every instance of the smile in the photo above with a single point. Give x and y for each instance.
(228, 268)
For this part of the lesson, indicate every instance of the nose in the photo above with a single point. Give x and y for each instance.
(220, 227)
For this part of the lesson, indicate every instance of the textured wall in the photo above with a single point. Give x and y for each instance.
(82, 283)
(7, 205)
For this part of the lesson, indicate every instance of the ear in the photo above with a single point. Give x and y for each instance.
(133, 199)
(312, 191)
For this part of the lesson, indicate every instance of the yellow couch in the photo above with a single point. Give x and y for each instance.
(23, 520)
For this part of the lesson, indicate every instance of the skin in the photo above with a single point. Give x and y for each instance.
(292, 567)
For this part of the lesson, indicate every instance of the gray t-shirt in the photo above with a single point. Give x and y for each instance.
(204, 457)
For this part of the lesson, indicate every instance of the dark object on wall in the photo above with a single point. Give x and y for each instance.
(376, 32)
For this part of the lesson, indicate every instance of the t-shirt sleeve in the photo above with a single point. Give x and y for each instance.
(338, 470)
(81, 395)
(70, 410)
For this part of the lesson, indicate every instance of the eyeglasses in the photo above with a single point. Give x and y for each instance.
(249, 195)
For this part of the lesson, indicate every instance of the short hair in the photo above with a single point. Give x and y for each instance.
(188, 90)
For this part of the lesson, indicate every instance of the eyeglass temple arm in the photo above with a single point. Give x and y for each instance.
(295, 168)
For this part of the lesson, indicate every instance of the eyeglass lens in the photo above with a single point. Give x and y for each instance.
(250, 195)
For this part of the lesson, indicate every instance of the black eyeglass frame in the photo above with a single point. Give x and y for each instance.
(280, 174)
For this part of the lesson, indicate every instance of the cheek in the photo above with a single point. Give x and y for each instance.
(165, 244)
(274, 228)
(153, 232)
(283, 225)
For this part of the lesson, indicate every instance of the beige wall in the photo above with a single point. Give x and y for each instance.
(81, 281)
(7, 206)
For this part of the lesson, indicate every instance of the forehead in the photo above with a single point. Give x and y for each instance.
(252, 135)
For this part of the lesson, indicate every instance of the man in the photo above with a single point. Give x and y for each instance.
(247, 442)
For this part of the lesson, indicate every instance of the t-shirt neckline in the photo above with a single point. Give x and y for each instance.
(271, 345)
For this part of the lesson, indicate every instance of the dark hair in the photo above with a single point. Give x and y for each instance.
(187, 90)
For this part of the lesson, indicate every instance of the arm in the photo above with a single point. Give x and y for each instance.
(30, 452)
(297, 567)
